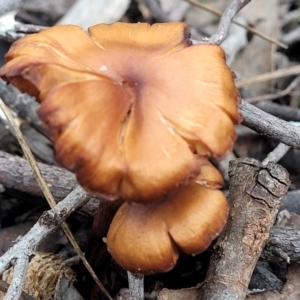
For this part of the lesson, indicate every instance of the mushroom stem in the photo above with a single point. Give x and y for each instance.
(136, 285)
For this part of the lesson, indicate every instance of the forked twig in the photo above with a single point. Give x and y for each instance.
(250, 29)
(231, 11)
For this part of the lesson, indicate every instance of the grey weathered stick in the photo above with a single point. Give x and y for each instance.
(284, 112)
(254, 195)
(4, 287)
(282, 245)
(136, 285)
(294, 84)
(269, 125)
(29, 28)
(231, 11)
(26, 247)
(291, 202)
(277, 154)
(218, 13)
(20, 271)
(16, 174)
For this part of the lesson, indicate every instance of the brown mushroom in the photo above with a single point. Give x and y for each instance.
(128, 105)
(136, 111)
(146, 238)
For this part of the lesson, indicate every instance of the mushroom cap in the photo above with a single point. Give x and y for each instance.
(146, 238)
(128, 105)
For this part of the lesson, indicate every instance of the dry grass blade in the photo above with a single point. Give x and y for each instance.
(219, 14)
(276, 95)
(46, 191)
(295, 70)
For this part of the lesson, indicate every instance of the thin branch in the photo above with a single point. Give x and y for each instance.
(219, 14)
(28, 28)
(12, 30)
(16, 174)
(284, 112)
(231, 11)
(276, 95)
(283, 244)
(20, 271)
(294, 70)
(277, 154)
(269, 125)
(4, 287)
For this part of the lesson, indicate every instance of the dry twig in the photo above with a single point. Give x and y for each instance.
(231, 11)
(294, 70)
(276, 95)
(254, 196)
(282, 245)
(219, 14)
(4, 287)
(269, 125)
(28, 28)
(16, 174)
(277, 154)
(284, 112)
(20, 253)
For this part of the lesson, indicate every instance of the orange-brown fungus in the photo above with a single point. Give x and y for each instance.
(145, 238)
(136, 111)
(128, 105)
